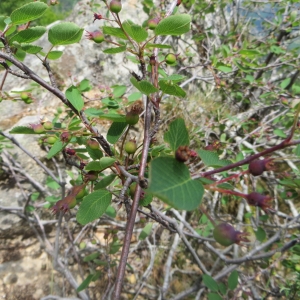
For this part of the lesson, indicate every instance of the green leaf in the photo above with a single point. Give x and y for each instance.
(136, 32)
(134, 96)
(223, 68)
(119, 90)
(115, 50)
(56, 148)
(146, 200)
(94, 112)
(84, 85)
(28, 35)
(171, 88)
(111, 212)
(177, 134)
(211, 159)
(210, 283)
(277, 50)
(94, 153)
(74, 96)
(174, 78)
(64, 33)
(100, 165)
(174, 25)
(280, 133)
(22, 130)
(117, 32)
(260, 234)
(214, 296)
(32, 49)
(159, 46)
(285, 83)
(171, 182)
(106, 181)
(297, 150)
(91, 256)
(115, 131)
(249, 53)
(143, 86)
(54, 55)
(28, 12)
(85, 283)
(146, 231)
(20, 55)
(93, 206)
(113, 117)
(233, 280)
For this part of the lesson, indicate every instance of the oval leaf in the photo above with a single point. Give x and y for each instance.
(171, 182)
(54, 55)
(117, 32)
(171, 88)
(56, 148)
(233, 280)
(100, 165)
(64, 33)
(136, 32)
(28, 12)
(174, 25)
(22, 130)
(28, 35)
(177, 134)
(115, 131)
(93, 206)
(115, 50)
(210, 283)
(74, 96)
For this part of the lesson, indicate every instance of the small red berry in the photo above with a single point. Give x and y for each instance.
(226, 235)
(258, 166)
(65, 137)
(257, 199)
(97, 17)
(70, 152)
(91, 176)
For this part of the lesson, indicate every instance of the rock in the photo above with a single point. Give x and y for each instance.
(10, 278)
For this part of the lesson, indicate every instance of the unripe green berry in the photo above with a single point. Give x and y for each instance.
(115, 6)
(132, 118)
(82, 245)
(132, 189)
(152, 23)
(170, 58)
(93, 144)
(38, 128)
(24, 96)
(51, 140)
(96, 36)
(81, 193)
(48, 125)
(73, 203)
(130, 147)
